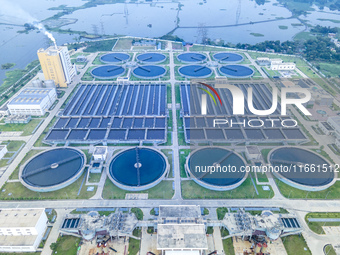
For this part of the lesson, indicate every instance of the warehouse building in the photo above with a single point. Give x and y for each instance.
(21, 230)
(278, 64)
(32, 101)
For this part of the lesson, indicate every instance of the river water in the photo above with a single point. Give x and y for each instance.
(233, 21)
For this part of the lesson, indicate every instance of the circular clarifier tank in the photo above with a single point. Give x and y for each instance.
(149, 72)
(138, 168)
(195, 71)
(107, 72)
(228, 57)
(190, 57)
(115, 58)
(236, 71)
(220, 159)
(151, 58)
(310, 171)
(52, 169)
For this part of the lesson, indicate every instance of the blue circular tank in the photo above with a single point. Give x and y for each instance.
(195, 71)
(228, 57)
(149, 72)
(115, 58)
(151, 58)
(201, 159)
(191, 57)
(53, 169)
(137, 168)
(107, 72)
(236, 71)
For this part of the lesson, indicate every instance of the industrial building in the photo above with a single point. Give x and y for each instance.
(32, 101)
(334, 122)
(21, 230)
(279, 65)
(181, 230)
(3, 151)
(56, 65)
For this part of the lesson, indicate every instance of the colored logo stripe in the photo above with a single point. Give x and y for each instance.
(209, 93)
(213, 90)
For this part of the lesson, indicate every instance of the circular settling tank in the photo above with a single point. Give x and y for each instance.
(195, 71)
(228, 57)
(137, 168)
(115, 58)
(191, 57)
(303, 161)
(107, 72)
(236, 71)
(149, 72)
(52, 169)
(203, 159)
(151, 58)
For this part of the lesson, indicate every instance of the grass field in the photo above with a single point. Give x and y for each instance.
(123, 44)
(13, 145)
(161, 191)
(296, 244)
(20, 192)
(317, 226)
(27, 129)
(169, 156)
(328, 69)
(332, 192)
(134, 246)
(182, 159)
(104, 45)
(191, 190)
(228, 246)
(94, 178)
(67, 245)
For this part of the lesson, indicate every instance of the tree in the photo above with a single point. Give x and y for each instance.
(53, 246)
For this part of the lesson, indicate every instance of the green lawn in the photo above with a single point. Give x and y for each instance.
(20, 192)
(134, 246)
(138, 212)
(317, 226)
(296, 244)
(169, 156)
(182, 160)
(94, 178)
(104, 45)
(329, 250)
(288, 191)
(13, 145)
(228, 246)
(328, 69)
(262, 177)
(123, 44)
(221, 211)
(161, 191)
(26, 128)
(191, 190)
(67, 245)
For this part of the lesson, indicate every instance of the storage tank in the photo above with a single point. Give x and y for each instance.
(49, 84)
(264, 248)
(258, 248)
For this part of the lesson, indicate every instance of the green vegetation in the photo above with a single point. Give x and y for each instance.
(13, 145)
(51, 216)
(150, 230)
(183, 154)
(137, 232)
(134, 246)
(228, 246)
(296, 244)
(20, 192)
(39, 142)
(283, 27)
(257, 34)
(317, 226)
(210, 230)
(102, 213)
(95, 46)
(205, 211)
(152, 211)
(27, 129)
(7, 66)
(169, 156)
(138, 212)
(66, 245)
(332, 192)
(329, 69)
(94, 178)
(161, 191)
(30, 154)
(329, 250)
(262, 177)
(221, 211)
(123, 44)
(191, 190)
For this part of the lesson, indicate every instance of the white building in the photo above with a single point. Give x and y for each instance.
(3, 151)
(21, 230)
(100, 153)
(253, 152)
(279, 65)
(334, 122)
(32, 101)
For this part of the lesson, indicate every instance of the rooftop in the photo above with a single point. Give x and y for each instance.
(181, 236)
(100, 150)
(30, 96)
(20, 218)
(185, 211)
